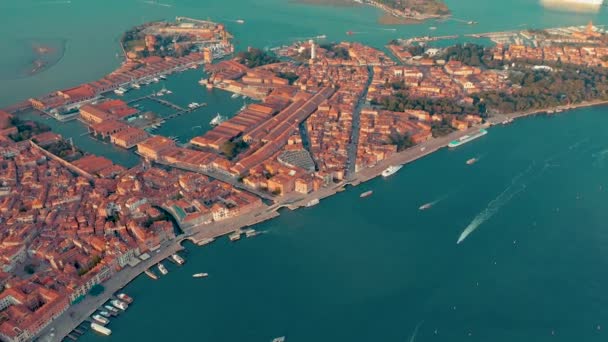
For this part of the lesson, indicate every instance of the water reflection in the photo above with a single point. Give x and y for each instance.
(579, 6)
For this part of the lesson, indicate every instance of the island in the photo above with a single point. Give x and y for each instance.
(78, 227)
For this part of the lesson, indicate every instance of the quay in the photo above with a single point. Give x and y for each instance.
(80, 312)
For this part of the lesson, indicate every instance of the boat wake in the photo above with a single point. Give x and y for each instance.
(516, 187)
(413, 337)
(429, 205)
(156, 3)
(494, 206)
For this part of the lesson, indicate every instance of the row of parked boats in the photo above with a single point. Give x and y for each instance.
(123, 90)
(111, 309)
(164, 271)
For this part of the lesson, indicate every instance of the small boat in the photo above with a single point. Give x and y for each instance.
(240, 21)
(119, 304)
(235, 236)
(100, 319)
(279, 339)
(178, 259)
(321, 36)
(162, 268)
(105, 314)
(162, 77)
(471, 161)
(366, 194)
(426, 206)
(218, 119)
(168, 92)
(111, 309)
(151, 274)
(136, 85)
(432, 28)
(193, 105)
(125, 298)
(391, 170)
(234, 96)
(200, 275)
(120, 91)
(312, 202)
(101, 329)
(250, 233)
(155, 80)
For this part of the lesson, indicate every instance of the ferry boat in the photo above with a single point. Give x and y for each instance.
(391, 170)
(111, 309)
(312, 202)
(240, 21)
(125, 298)
(105, 314)
(467, 138)
(100, 319)
(425, 206)
(151, 274)
(218, 119)
(120, 91)
(235, 236)
(251, 232)
(471, 161)
(162, 268)
(234, 96)
(101, 329)
(119, 304)
(279, 339)
(178, 259)
(200, 275)
(366, 194)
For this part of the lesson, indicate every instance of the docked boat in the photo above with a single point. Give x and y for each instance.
(250, 232)
(101, 329)
(218, 119)
(200, 275)
(178, 259)
(467, 138)
(425, 206)
(193, 105)
(391, 170)
(507, 121)
(136, 85)
(163, 270)
(235, 236)
(312, 202)
(120, 91)
(162, 77)
(279, 339)
(151, 274)
(205, 241)
(105, 314)
(471, 161)
(366, 194)
(119, 304)
(100, 319)
(111, 309)
(155, 80)
(234, 96)
(125, 298)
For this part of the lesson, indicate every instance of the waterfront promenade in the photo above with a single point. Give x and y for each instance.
(79, 312)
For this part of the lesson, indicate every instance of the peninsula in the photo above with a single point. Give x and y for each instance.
(78, 227)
